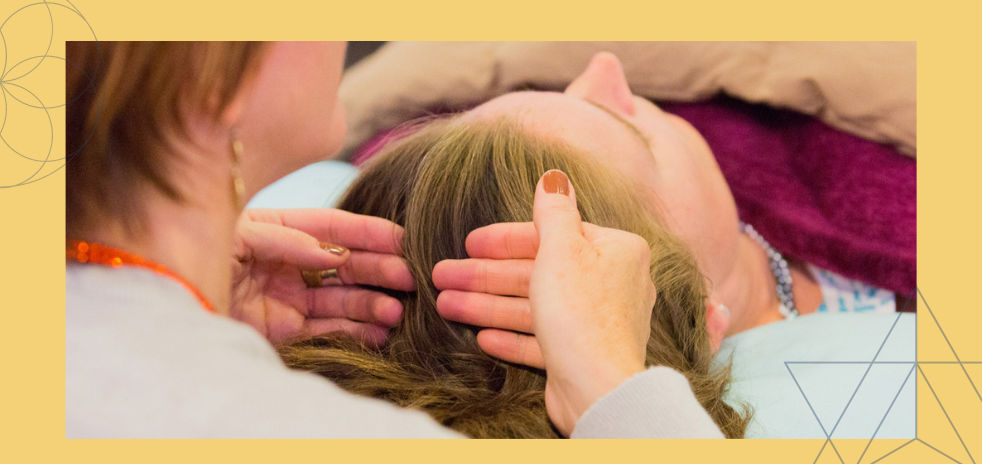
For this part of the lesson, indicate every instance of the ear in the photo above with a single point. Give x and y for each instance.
(234, 111)
(603, 82)
(717, 323)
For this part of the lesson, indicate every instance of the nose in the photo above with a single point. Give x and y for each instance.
(603, 82)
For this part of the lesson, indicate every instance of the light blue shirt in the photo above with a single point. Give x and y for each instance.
(799, 375)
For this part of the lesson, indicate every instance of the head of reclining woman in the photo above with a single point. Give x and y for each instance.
(454, 176)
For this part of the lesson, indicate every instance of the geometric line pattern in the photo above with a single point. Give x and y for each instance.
(915, 366)
(936, 398)
(42, 159)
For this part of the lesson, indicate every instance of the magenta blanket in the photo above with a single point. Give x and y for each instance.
(817, 194)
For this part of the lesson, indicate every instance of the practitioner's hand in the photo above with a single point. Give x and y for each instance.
(590, 296)
(270, 249)
(491, 290)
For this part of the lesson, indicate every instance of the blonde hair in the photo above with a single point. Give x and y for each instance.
(441, 183)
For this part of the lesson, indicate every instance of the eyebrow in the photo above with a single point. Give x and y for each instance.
(628, 124)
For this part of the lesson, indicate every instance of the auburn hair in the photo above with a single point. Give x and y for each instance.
(124, 100)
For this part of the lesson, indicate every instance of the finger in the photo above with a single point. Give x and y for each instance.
(495, 276)
(355, 303)
(509, 240)
(511, 347)
(483, 310)
(275, 243)
(378, 270)
(512, 240)
(368, 334)
(554, 212)
(351, 230)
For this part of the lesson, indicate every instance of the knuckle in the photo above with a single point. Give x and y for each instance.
(522, 350)
(492, 312)
(509, 237)
(392, 270)
(556, 208)
(347, 273)
(632, 246)
(557, 212)
(640, 245)
(525, 276)
(581, 248)
(345, 301)
(380, 272)
(368, 304)
(302, 237)
(311, 301)
(481, 276)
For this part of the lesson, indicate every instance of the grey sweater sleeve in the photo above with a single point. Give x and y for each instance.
(656, 403)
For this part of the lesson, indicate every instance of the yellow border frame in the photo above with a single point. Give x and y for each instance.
(31, 234)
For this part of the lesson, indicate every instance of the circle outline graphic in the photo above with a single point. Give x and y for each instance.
(4, 82)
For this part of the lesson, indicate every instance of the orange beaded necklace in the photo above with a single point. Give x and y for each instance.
(94, 253)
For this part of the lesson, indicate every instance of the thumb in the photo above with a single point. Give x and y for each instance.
(554, 212)
(279, 244)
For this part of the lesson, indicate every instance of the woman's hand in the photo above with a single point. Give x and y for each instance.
(270, 249)
(590, 298)
(491, 290)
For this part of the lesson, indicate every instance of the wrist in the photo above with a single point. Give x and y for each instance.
(587, 386)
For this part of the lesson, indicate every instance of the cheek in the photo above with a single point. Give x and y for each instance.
(336, 131)
(297, 107)
(317, 113)
(684, 206)
(707, 174)
(697, 204)
(294, 117)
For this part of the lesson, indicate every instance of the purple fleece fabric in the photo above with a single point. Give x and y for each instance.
(815, 193)
(818, 194)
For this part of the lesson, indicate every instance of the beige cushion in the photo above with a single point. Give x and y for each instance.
(866, 88)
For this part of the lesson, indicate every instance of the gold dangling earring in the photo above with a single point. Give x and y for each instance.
(238, 185)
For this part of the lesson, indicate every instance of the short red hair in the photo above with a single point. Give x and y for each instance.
(139, 91)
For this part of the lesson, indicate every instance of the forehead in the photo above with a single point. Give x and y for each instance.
(559, 116)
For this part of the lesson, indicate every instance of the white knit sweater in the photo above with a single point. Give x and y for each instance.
(143, 360)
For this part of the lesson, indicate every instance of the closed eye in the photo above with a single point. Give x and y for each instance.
(634, 129)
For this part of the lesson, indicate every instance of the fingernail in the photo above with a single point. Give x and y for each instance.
(333, 249)
(555, 181)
